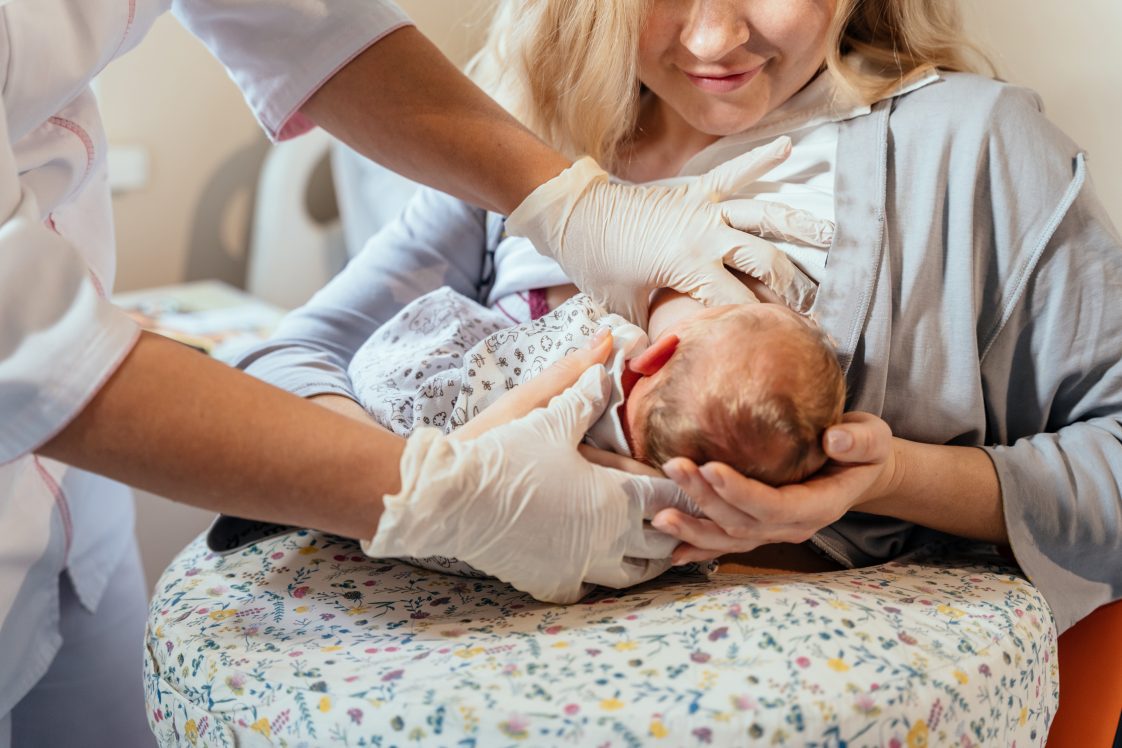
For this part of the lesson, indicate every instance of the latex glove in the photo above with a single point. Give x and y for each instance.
(521, 504)
(618, 243)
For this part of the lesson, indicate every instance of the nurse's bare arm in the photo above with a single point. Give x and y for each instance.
(181, 425)
(176, 423)
(184, 426)
(402, 103)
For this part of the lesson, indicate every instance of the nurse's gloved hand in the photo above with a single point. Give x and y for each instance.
(519, 502)
(618, 243)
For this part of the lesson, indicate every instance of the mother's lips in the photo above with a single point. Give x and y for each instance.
(722, 83)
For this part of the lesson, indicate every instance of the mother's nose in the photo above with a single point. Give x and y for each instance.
(715, 28)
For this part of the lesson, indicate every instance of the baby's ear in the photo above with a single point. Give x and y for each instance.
(651, 360)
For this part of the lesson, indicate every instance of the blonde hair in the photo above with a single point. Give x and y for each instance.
(568, 69)
(764, 417)
(897, 39)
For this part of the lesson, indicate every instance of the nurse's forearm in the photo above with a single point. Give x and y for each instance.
(178, 424)
(951, 489)
(404, 105)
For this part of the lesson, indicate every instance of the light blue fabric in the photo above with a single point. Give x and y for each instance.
(973, 291)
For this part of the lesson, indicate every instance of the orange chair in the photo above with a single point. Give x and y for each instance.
(1090, 682)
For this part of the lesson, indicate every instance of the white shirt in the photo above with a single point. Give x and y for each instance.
(805, 180)
(60, 338)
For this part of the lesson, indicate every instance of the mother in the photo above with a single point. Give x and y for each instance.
(970, 285)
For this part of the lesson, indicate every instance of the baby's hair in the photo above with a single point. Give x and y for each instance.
(763, 419)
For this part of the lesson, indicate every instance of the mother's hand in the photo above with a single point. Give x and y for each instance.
(742, 514)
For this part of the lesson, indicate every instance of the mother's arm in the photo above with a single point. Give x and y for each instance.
(947, 488)
(437, 241)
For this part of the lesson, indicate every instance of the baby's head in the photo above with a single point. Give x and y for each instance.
(753, 386)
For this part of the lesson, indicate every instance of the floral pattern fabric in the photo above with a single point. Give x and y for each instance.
(301, 640)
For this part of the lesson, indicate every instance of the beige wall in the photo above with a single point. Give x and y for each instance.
(173, 99)
(1071, 54)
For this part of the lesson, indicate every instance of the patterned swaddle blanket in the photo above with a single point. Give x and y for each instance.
(444, 358)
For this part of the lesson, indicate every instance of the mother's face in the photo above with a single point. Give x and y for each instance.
(724, 64)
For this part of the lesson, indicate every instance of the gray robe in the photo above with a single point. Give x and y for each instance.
(972, 288)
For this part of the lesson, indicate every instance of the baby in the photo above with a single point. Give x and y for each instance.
(752, 386)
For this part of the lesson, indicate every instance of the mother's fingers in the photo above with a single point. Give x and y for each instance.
(690, 554)
(700, 533)
(691, 480)
(757, 500)
(788, 514)
(859, 438)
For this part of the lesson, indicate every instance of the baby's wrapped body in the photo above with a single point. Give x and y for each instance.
(444, 358)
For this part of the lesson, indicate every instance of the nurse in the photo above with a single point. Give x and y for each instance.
(84, 394)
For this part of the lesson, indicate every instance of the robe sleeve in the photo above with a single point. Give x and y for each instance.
(1053, 365)
(438, 241)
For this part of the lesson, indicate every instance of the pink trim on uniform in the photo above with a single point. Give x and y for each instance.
(82, 135)
(539, 305)
(297, 123)
(128, 28)
(60, 500)
(98, 285)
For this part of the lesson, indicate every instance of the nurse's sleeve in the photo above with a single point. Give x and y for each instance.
(280, 52)
(59, 339)
(1056, 369)
(437, 241)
